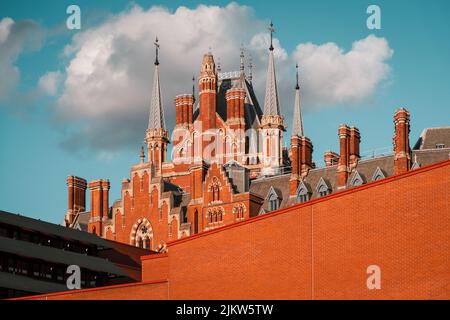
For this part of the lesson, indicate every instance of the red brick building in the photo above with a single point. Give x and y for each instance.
(229, 164)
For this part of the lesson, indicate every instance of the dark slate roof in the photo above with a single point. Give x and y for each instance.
(82, 220)
(252, 109)
(429, 156)
(367, 167)
(280, 184)
(430, 137)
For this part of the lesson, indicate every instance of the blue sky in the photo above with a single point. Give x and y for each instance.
(35, 137)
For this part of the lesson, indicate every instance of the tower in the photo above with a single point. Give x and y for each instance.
(207, 92)
(157, 137)
(272, 122)
(235, 99)
(301, 146)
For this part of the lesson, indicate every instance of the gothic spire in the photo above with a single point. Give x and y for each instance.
(193, 87)
(156, 117)
(142, 155)
(297, 122)
(250, 70)
(271, 103)
(241, 68)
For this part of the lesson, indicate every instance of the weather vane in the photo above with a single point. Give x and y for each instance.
(156, 48)
(271, 30)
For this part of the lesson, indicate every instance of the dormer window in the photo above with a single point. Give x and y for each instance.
(273, 204)
(303, 194)
(273, 199)
(378, 174)
(356, 180)
(322, 188)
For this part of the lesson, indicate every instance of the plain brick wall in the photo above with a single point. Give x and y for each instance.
(155, 266)
(321, 250)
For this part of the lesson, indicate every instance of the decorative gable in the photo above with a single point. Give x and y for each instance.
(378, 174)
(274, 198)
(356, 180)
(323, 188)
(303, 193)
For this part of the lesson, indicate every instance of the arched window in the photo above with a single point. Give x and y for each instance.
(196, 222)
(141, 234)
(215, 189)
(239, 211)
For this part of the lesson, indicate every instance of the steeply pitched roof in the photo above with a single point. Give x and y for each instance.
(271, 101)
(252, 110)
(431, 137)
(156, 116)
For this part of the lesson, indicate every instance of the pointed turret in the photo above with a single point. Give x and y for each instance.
(271, 102)
(272, 123)
(301, 146)
(156, 136)
(156, 117)
(297, 121)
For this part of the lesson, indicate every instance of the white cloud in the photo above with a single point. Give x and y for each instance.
(15, 37)
(5, 27)
(50, 82)
(332, 76)
(108, 78)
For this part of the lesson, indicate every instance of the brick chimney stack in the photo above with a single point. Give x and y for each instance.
(207, 92)
(402, 151)
(76, 188)
(354, 142)
(301, 160)
(344, 158)
(99, 205)
(331, 158)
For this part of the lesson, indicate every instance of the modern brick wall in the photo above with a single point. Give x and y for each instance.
(322, 249)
